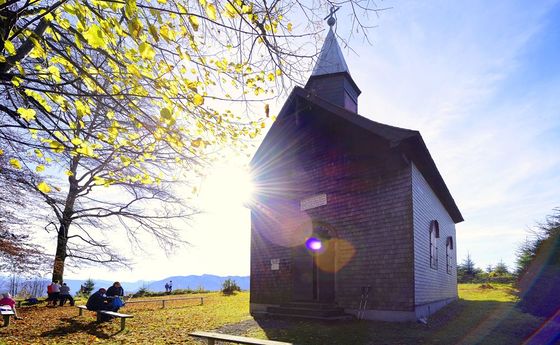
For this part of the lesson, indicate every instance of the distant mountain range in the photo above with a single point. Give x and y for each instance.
(207, 281)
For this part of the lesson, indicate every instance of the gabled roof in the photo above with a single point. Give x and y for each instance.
(330, 59)
(407, 141)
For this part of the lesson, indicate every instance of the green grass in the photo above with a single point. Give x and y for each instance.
(480, 316)
(493, 292)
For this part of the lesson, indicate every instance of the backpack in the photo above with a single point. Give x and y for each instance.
(50, 288)
(117, 302)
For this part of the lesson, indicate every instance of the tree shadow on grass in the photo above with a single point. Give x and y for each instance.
(73, 325)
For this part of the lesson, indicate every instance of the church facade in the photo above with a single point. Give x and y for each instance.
(351, 216)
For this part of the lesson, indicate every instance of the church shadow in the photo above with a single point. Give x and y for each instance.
(303, 331)
(73, 325)
(461, 321)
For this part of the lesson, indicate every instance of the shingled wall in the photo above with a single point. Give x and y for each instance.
(369, 204)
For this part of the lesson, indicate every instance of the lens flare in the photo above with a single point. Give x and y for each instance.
(313, 243)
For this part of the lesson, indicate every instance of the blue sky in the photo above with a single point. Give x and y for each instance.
(481, 81)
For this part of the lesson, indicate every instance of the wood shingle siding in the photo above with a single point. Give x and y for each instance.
(431, 284)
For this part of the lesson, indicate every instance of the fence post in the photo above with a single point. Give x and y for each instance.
(163, 303)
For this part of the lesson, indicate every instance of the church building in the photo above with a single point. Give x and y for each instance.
(351, 216)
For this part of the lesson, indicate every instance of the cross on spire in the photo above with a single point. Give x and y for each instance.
(331, 20)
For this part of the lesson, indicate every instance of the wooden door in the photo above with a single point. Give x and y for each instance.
(313, 274)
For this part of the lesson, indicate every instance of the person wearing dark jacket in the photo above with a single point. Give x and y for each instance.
(115, 290)
(65, 295)
(114, 293)
(96, 301)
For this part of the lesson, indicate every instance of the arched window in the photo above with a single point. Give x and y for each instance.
(449, 254)
(434, 235)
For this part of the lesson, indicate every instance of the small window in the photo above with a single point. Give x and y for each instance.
(434, 235)
(449, 254)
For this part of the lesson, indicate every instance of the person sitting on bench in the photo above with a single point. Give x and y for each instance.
(114, 294)
(97, 302)
(7, 300)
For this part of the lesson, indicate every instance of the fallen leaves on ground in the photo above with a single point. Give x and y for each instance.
(150, 325)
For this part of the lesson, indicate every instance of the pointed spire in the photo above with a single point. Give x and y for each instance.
(331, 59)
(331, 78)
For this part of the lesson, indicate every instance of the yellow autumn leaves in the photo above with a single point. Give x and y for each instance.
(146, 51)
(15, 163)
(27, 114)
(152, 60)
(42, 186)
(94, 37)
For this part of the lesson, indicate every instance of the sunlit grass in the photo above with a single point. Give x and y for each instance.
(487, 292)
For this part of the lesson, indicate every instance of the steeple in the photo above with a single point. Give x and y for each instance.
(331, 59)
(331, 78)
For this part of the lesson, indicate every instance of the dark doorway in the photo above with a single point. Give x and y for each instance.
(313, 270)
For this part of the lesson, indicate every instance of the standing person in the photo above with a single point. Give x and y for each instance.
(170, 286)
(65, 295)
(167, 288)
(50, 294)
(8, 301)
(55, 292)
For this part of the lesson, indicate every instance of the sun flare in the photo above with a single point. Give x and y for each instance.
(226, 187)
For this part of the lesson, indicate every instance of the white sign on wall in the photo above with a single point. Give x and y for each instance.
(313, 201)
(275, 264)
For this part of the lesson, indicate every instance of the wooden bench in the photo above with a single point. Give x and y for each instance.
(212, 337)
(114, 314)
(82, 308)
(168, 299)
(123, 317)
(6, 315)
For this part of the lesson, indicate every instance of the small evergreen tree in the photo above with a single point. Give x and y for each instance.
(88, 287)
(467, 270)
(501, 269)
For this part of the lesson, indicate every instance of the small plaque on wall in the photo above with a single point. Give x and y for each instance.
(275, 264)
(313, 202)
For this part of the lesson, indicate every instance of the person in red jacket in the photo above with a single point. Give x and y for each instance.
(8, 301)
(50, 294)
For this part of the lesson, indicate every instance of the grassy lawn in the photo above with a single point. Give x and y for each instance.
(481, 316)
(151, 324)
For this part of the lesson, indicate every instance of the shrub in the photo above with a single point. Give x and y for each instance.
(143, 291)
(229, 287)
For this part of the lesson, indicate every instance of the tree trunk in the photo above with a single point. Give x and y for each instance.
(60, 255)
(65, 221)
